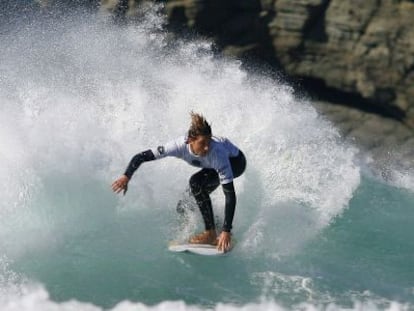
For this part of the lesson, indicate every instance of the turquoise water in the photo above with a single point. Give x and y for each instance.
(366, 253)
(80, 97)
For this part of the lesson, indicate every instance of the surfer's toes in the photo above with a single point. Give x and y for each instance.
(206, 237)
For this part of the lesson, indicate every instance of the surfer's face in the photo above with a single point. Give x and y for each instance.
(200, 144)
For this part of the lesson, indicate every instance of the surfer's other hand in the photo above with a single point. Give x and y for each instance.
(120, 184)
(224, 241)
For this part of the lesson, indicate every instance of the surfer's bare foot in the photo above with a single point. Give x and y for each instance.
(206, 237)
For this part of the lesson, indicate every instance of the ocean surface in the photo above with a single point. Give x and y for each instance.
(318, 225)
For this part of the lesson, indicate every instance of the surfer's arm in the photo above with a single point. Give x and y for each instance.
(224, 240)
(122, 182)
(137, 160)
(230, 205)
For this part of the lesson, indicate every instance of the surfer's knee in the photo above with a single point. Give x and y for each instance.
(195, 185)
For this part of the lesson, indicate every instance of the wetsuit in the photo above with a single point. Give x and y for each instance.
(223, 162)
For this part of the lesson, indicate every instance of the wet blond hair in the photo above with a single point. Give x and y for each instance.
(199, 126)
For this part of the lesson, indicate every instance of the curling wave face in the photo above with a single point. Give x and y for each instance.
(80, 96)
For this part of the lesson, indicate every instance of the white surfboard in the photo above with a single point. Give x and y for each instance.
(199, 249)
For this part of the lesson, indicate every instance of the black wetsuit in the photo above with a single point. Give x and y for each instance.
(204, 181)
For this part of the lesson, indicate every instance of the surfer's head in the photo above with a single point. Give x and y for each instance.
(199, 134)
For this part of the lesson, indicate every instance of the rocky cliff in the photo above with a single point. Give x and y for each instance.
(361, 48)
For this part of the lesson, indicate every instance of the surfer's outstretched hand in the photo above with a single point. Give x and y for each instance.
(224, 241)
(120, 184)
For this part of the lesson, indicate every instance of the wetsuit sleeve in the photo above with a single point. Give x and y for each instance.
(230, 206)
(137, 160)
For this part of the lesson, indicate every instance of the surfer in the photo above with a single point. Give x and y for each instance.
(220, 162)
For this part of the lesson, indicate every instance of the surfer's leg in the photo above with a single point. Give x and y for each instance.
(201, 184)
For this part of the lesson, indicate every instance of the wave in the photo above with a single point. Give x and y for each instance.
(37, 298)
(83, 95)
(80, 96)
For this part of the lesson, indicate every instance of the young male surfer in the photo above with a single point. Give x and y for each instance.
(221, 162)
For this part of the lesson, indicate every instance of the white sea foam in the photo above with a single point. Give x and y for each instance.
(88, 95)
(391, 167)
(81, 96)
(36, 298)
(404, 179)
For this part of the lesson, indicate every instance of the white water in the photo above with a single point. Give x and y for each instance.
(38, 299)
(80, 97)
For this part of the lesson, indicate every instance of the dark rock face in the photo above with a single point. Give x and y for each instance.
(237, 25)
(359, 47)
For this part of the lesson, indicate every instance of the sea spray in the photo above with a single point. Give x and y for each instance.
(80, 96)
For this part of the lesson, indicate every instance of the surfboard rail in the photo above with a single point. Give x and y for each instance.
(199, 249)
